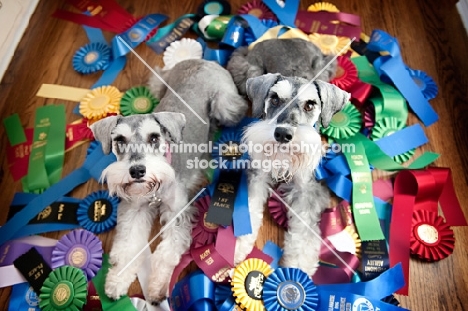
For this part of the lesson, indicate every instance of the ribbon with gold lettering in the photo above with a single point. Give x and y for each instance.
(329, 23)
(415, 191)
(33, 267)
(77, 133)
(47, 152)
(170, 33)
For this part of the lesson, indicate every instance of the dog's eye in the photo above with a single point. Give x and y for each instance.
(153, 138)
(120, 139)
(309, 105)
(274, 100)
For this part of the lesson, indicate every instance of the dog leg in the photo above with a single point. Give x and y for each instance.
(175, 241)
(258, 193)
(133, 227)
(303, 239)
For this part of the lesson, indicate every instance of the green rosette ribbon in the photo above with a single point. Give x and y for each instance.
(389, 103)
(137, 100)
(64, 289)
(387, 126)
(344, 124)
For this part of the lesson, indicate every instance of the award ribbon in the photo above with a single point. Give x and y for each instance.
(414, 191)
(258, 9)
(80, 249)
(23, 297)
(47, 151)
(364, 212)
(393, 68)
(285, 11)
(170, 33)
(64, 288)
(194, 292)
(391, 103)
(95, 162)
(322, 22)
(33, 267)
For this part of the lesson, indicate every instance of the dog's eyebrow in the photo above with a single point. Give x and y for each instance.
(318, 92)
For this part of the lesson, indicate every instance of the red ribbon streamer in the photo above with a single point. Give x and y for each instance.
(419, 190)
(325, 23)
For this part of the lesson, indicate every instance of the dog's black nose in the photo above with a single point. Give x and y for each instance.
(137, 171)
(283, 134)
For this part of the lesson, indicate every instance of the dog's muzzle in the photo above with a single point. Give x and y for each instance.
(283, 134)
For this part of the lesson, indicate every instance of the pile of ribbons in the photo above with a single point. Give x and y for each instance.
(367, 238)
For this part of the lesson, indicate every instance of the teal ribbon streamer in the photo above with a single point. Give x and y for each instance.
(169, 33)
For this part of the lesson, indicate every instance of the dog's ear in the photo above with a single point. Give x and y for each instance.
(172, 123)
(333, 99)
(257, 91)
(102, 131)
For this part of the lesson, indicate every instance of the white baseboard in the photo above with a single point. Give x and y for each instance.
(15, 15)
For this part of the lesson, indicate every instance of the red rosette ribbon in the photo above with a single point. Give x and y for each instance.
(369, 115)
(346, 74)
(257, 8)
(278, 210)
(432, 238)
(203, 232)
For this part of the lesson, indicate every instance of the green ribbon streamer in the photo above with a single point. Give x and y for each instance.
(217, 27)
(108, 304)
(390, 103)
(365, 215)
(55, 148)
(380, 160)
(14, 130)
(37, 179)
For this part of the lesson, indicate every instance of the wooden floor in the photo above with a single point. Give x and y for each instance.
(432, 39)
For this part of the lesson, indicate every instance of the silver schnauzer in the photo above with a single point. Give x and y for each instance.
(151, 180)
(287, 125)
(289, 57)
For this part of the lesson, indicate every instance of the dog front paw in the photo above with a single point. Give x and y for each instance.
(116, 285)
(157, 292)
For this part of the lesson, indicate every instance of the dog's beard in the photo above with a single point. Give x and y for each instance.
(121, 184)
(300, 156)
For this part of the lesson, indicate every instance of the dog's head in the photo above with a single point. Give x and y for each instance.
(289, 108)
(141, 145)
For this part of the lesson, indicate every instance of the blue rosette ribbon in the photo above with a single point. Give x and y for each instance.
(92, 57)
(194, 292)
(224, 300)
(250, 36)
(98, 212)
(289, 289)
(425, 83)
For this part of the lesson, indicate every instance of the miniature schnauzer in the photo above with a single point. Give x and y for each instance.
(299, 58)
(153, 180)
(289, 108)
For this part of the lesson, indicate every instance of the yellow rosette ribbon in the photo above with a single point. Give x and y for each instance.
(95, 104)
(247, 283)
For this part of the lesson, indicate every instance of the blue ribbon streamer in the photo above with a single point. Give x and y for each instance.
(286, 14)
(257, 27)
(136, 34)
(401, 141)
(234, 35)
(23, 298)
(195, 292)
(392, 68)
(164, 37)
(221, 56)
(274, 251)
(92, 167)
